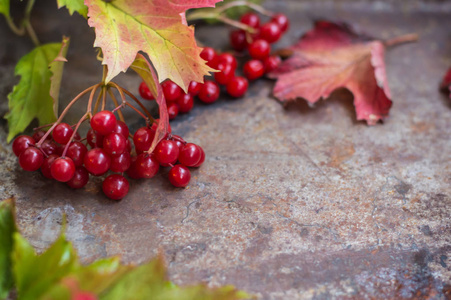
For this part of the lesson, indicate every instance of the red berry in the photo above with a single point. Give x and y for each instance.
(190, 155)
(50, 148)
(179, 176)
(253, 69)
(194, 88)
(209, 54)
(282, 21)
(251, 19)
(227, 58)
(144, 91)
(95, 139)
(37, 135)
(77, 152)
(179, 141)
(185, 103)
(271, 63)
(226, 73)
(173, 110)
(114, 144)
(145, 166)
(259, 49)
(166, 152)
(121, 163)
(97, 161)
(171, 91)
(122, 128)
(115, 186)
(202, 158)
(209, 92)
(62, 133)
(80, 178)
(103, 122)
(21, 143)
(62, 169)
(237, 87)
(270, 32)
(143, 138)
(238, 40)
(46, 164)
(31, 159)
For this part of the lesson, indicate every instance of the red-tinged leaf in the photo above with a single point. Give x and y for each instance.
(146, 72)
(333, 56)
(446, 83)
(156, 27)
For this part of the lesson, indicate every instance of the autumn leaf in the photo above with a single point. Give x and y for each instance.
(333, 56)
(74, 6)
(142, 67)
(30, 98)
(156, 27)
(446, 83)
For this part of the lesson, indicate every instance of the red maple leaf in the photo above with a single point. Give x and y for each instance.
(332, 56)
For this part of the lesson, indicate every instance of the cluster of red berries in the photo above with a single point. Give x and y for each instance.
(64, 157)
(261, 62)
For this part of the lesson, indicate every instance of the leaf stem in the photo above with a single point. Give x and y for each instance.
(249, 4)
(236, 24)
(27, 23)
(20, 31)
(92, 88)
(97, 103)
(119, 112)
(407, 38)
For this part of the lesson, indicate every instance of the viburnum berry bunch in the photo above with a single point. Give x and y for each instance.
(109, 149)
(231, 77)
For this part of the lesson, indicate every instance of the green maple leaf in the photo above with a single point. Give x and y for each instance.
(30, 98)
(74, 6)
(7, 229)
(156, 27)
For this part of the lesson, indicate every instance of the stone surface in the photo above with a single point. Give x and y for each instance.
(291, 203)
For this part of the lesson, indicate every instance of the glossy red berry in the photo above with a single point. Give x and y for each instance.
(145, 166)
(31, 159)
(179, 176)
(37, 135)
(97, 161)
(282, 21)
(62, 133)
(190, 155)
(114, 144)
(227, 58)
(202, 158)
(46, 164)
(238, 40)
(80, 178)
(171, 91)
(166, 152)
(251, 19)
(122, 128)
(209, 92)
(237, 87)
(121, 163)
(259, 49)
(77, 152)
(173, 110)
(185, 103)
(62, 169)
(253, 69)
(194, 88)
(271, 63)
(21, 143)
(50, 148)
(144, 91)
(179, 141)
(103, 122)
(95, 139)
(115, 186)
(209, 54)
(226, 72)
(270, 32)
(143, 138)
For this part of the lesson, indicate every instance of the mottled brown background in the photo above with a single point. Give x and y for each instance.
(291, 203)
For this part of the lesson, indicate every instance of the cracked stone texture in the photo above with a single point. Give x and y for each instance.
(291, 203)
